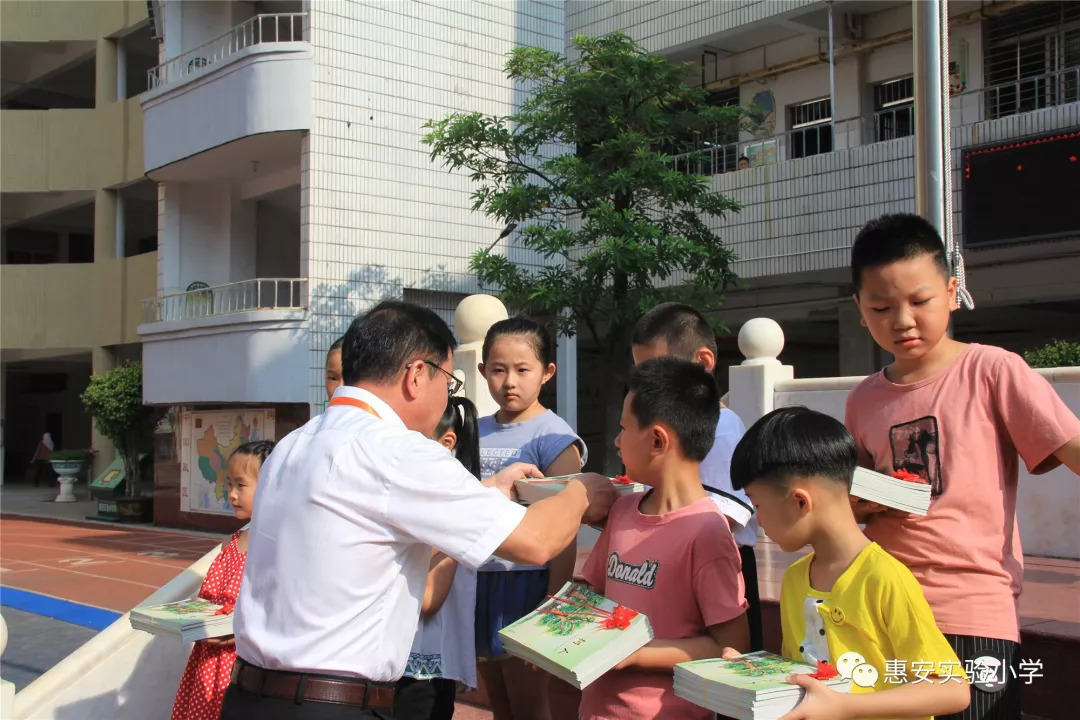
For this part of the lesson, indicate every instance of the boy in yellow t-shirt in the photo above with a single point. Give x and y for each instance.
(849, 603)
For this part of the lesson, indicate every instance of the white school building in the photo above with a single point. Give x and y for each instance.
(294, 192)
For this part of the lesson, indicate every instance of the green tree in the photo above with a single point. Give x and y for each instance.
(585, 169)
(1060, 353)
(114, 400)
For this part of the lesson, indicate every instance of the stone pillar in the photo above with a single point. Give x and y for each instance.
(753, 381)
(104, 225)
(472, 318)
(102, 360)
(859, 354)
(105, 72)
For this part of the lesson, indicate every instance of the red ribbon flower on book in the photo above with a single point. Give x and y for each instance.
(622, 480)
(225, 609)
(575, 610)
(824, 671)
(907, 476)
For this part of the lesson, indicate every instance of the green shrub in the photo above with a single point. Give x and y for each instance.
(68, 455)
(1060, 353)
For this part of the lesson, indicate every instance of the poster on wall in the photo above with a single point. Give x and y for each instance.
(207, 439)
(760, 153)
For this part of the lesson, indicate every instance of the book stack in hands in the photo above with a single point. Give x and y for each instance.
(903, 490)
(187, 620)
(750, 687)
(578, 635)
(533, 490)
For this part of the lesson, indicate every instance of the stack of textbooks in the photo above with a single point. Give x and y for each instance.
(534, 490)
(578, 635)
(750, 687)
(187, 620)
(908, 492)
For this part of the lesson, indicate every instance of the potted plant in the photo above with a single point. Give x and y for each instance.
(114, 400)
(68, 465)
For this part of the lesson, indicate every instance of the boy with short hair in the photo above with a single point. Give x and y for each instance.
(681, 331)
(848, 603)
(691, 586)
(958, 415)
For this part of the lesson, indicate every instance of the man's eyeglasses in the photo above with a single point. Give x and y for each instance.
(455, 383)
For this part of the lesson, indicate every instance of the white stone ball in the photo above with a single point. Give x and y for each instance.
(760, 341)
(3, 634)
(475, 314)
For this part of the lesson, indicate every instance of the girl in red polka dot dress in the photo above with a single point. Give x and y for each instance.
(206, 677)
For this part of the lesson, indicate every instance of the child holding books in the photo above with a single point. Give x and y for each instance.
(517, 361)
(443, 651)
(209, 667)
(667, 553)
(333, 367)
(958, 415)
(681, 331)
(848, 603)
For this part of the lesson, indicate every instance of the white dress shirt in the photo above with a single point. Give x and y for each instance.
(346, 512)
(716, 473)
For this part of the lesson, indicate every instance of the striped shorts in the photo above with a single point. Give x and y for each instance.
(989, 701)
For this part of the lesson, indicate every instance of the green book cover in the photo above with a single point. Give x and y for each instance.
(178, 615)
(752, 672)
(575, 626)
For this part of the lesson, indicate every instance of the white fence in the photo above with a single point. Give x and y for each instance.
(274, 28)
(257, 294)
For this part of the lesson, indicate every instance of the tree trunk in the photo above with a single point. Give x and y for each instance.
(618, 364)
(131, 469)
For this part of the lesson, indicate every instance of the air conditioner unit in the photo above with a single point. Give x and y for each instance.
(153, 11)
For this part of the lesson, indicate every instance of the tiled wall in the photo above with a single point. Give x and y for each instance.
(664, 25)
(378, 215)
(802, 215)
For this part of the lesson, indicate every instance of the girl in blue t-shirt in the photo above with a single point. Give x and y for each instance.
(517, 362)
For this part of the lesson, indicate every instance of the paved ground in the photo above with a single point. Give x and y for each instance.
(36, 643)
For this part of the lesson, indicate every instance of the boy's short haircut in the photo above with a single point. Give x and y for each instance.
(794, 442)
(680, 394)
(337, 345)
(891, 238)
(683, 328)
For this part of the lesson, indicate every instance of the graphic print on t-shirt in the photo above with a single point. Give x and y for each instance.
(643, 575)
(915, 449)
(494, 459)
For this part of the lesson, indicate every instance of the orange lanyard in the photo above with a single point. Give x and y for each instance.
(345, 400)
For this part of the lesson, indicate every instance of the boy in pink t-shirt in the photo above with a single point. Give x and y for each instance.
(957, 415)
(668, 553)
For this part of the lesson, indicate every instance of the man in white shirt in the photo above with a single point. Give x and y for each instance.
(680, 330)
(347, 510)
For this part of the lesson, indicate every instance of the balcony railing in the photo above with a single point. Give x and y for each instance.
(968, 108)
(237, 297)
(275, 28)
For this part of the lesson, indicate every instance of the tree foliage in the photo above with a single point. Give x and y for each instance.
(585, 169)
(1060, 353)
(114, 400)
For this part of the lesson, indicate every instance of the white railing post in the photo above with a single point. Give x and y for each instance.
(7, 689)
(752, 383)
(472, 318)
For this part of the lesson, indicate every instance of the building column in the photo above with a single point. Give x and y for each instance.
(3, 418)
(105, 72)
(859, 354)
(104, 225)
(102, 359)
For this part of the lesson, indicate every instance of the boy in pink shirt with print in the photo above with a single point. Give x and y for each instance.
(959, 416)
(667, 553)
